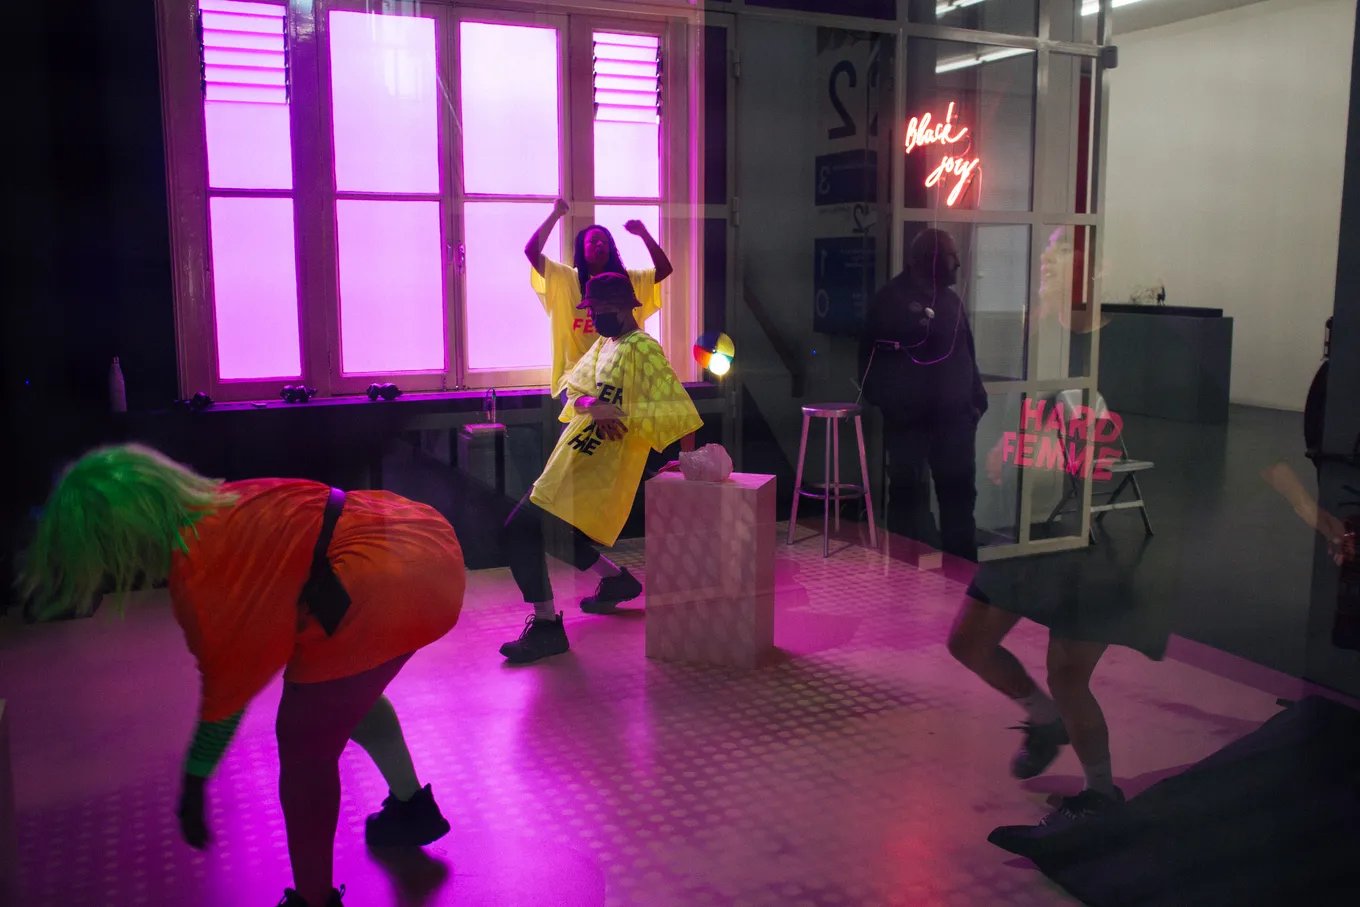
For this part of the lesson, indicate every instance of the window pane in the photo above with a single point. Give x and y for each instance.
(508, 76)
(245, 108)
(254, 275)
(385, 95)
(994, 286)
(627, 160)
(975, 150)
(391, 286)
(506, 325)
(1012, 17)
(627, 120)
(631, 249)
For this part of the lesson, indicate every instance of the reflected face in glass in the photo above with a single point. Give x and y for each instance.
(597, 248)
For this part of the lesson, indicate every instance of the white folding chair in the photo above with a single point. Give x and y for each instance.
(1125, 469)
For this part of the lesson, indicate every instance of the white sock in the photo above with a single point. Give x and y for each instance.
(1100, 778)
(606, 568)
(1039, 708)
(545, 610)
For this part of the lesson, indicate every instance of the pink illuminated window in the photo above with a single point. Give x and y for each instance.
(391, 286)
(509, 87)
(245, 95)
(631, 249)
(506, 327)
(254, 288)
(627, 85)
(384, 103)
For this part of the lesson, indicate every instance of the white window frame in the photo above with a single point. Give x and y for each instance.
(314, 193)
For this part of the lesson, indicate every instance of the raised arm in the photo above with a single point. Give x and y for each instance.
(659, 259)
(533, 249)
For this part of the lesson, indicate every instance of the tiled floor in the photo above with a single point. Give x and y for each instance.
(862, 767)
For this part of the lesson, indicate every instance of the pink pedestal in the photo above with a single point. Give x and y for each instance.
(710, 569)
(9, 830)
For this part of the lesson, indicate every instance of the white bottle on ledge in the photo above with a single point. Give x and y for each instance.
(117, 390)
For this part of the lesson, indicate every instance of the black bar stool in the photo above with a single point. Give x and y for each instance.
(833, 489)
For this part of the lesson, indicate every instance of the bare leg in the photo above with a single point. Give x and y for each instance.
(976, 642)
(379, 733)
(1070, 665)
(315, 721)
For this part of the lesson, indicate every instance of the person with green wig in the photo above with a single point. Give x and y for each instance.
(337, 590)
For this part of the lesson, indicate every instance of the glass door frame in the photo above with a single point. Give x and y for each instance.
(1041, 222)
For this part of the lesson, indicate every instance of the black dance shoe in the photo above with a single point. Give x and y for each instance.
(542, 637)
(1084, 807)
(1039, 748)
(611, 592)
(292, 899)
(406, 823)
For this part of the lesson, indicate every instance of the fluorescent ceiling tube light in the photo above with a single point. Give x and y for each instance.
(953, 64)
(1089, 8)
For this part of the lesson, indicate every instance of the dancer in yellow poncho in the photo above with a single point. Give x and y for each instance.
(623, 400)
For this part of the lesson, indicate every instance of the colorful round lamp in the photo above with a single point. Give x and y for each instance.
(714, 351)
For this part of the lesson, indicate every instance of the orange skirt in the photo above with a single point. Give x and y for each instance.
(403, 569)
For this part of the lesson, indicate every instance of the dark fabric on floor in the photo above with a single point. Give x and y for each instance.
(1270, 820)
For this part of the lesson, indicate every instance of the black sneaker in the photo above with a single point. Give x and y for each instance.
(1085, 806)
(292, 899)
(410, 823)
(541, 638)
(1039, 749)
(611, 592)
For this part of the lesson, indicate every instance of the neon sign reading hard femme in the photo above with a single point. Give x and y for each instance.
(921, 132)
(1082, 429)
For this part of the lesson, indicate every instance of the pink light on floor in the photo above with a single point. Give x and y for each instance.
(391, 286)
(254, 276)
(245, 108)
(385, 103)
(506, 326)
(631, 249)
(508, 77)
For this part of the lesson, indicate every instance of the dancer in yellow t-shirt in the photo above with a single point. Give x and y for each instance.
(623, 400)
(560, 287)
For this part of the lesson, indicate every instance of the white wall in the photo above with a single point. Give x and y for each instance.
(1226, 142)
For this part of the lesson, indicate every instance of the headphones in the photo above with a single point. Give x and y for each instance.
(297, 393)
(383, 391)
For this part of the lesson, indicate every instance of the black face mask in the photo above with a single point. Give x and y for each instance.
(608, 324)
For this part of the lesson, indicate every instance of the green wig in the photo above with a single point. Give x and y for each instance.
(118, 513)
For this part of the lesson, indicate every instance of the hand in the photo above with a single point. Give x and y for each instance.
(636, 227)
(608, 421)
(608, 418)
(1340, 542)
(672, 466)
(192, 824)
(560, 208)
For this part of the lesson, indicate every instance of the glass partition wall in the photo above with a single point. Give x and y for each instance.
(850, 136)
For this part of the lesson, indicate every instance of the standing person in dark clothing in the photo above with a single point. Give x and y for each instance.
(920, 370)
